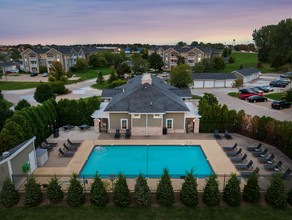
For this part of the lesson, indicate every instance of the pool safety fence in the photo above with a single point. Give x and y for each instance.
(20, 180)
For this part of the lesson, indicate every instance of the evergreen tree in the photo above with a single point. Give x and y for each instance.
(98, 194)
(276, 194)
(43, 92)
(211, 195)
(8, 195)
(32, 192)
(231, 192)
(54, 191)
(289, 197)
(165, 194)
(75, 195)
(22, 104)
(122, 195)
(142, 192)
(251, 192)
(189, 192)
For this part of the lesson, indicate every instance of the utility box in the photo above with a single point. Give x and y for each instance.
(42, 156)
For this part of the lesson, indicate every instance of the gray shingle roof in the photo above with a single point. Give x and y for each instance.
(217, 76)
(40, 50)
(247, 71)
(146, 98)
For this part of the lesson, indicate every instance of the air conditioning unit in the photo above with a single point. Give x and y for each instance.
(5, 154)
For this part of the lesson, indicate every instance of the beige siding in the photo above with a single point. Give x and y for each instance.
(18, 161)
(139, 122)
(115, 120)
(178, 120)
(4, 172)
(154, 121)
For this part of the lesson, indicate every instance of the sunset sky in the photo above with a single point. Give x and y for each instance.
(136, 21)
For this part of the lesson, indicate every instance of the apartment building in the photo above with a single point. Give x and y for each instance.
(34, 58)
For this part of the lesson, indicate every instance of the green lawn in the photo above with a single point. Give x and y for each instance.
(92, 73)
(233, 94)
(89, 212)
(247, 60)
(18, 85)
(8, 104)
(276, 96)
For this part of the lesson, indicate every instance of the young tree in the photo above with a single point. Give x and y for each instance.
(231, 192)
(100, 78)
(165, 194)
(54, 191)
(189, 192)
(155, 61)
(32, 192)
(43, 69)
(142, 192)
(218, 63)
(211, 195)
(57, 72)
(98, 194)
(276, 195)
(22, 104)
(75, 196)
(8, 195)
(80, 64)
(123, 69)
(122, 196)
(43, 92)
(251, 192)
(181, 76)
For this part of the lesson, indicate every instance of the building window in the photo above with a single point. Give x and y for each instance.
(136, 116)
(157, 116)
(124, 123)
(169, 123)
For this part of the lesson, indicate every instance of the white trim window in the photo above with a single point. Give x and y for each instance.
(124, 123)
(157, 115)
(136, 116)
(169, 123)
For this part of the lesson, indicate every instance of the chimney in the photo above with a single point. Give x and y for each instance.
(146, 78)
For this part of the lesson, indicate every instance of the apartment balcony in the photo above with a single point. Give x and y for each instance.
(51, 58)
(33, 65)
(191, 57)
(32, 58)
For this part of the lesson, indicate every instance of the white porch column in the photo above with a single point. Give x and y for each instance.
(96, 125)
(196, 125)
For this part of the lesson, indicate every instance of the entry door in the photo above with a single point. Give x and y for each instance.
(32, 161)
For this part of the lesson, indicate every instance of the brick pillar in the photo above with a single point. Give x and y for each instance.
(196, 125)
(96, 125)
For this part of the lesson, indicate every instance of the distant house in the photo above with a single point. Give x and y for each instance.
(12, 66)
(213, 80)
(34, 58)
(147, 106)
(190, 54)
(18, 160)
(247, 74)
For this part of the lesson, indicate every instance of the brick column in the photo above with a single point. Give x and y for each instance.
(196, 125)
(96, 125)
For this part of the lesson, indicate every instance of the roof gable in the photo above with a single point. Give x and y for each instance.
(247, 71)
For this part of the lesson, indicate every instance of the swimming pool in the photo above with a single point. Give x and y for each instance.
(148, 160)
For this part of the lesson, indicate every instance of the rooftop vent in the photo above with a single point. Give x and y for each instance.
(151, 103)
(5, 154)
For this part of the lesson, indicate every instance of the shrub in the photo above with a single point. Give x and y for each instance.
(54, 191)
(22, 104)
(231, 60)
(75, 195)
(98, 194)
(231, 192)
(211, 194)
(43, 93)
(289, 95)
(122, 195)
(142, 193)
(32, 192)
(289, 197)
(189, 193)
(8, 195)
(276, 195)
(165, 194)
(251, 192)
(58, 88)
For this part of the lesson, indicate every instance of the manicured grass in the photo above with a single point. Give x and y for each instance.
(104, 85)
(8, 104)
(89, 212)
(247, 60)
(276, 96)
(233, 94)
(18, 85)
(196, 97)
(92, 73)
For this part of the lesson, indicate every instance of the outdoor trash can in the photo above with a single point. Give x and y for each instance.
(164, 131)
(56, 133)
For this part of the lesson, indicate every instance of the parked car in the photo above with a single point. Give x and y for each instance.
(33, 74)
(279, 104)
(255, 89)
(257, 98)
(286, 75)
(245, 93)
(265, 88)
(278, 83)
(11, 71)
(45, 74)
(284, 80)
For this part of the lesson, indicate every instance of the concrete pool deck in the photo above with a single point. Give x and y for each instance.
(221, 164)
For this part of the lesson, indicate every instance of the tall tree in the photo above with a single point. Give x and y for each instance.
(165, 194)
(218, 63)
(181, 43)
(155, 61)
(181, 76)
(57, 72)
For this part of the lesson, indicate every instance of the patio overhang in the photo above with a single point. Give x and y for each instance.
(100, 113)
(193, 113)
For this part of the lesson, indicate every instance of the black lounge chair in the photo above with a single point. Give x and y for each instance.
(69, 148)
(272, 167)
(244, 166)
(84, 127)
(234, 154)
(65, 154)
(72, 144)
(255, 149)
(46, 146)
(230, 148)
(269, 160)
(227, 135)
(216, 134)
(248, 173)
(128, 134)
(286, 175)
(262, 154)
(239, 159)
(117, 134)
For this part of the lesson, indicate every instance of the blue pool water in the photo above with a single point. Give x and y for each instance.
(148, 160)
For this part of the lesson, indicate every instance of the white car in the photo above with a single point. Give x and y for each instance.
(45, 74)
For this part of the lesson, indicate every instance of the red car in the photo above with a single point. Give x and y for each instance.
(245, 93)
